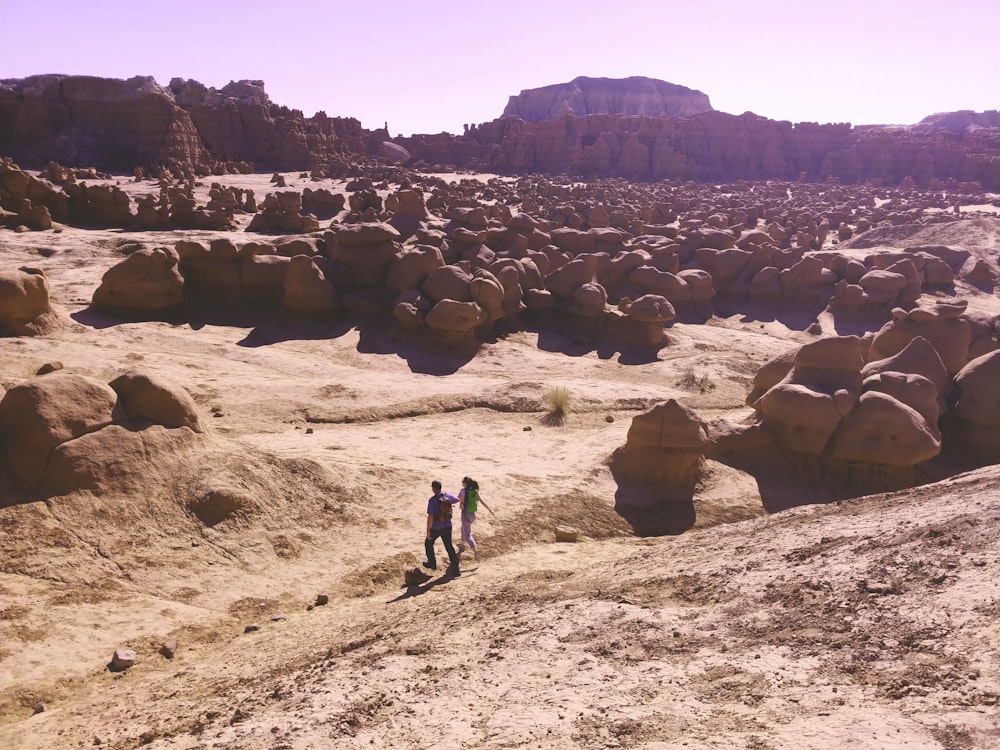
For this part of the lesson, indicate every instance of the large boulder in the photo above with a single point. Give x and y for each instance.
(148, 280)
(883, 430)
(24, 302)
(663, 446)
(977, 407)
(145, 396)
(41, 413)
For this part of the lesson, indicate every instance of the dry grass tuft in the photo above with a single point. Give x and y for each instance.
(558, 401)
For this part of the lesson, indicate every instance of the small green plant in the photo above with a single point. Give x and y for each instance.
(558, 401)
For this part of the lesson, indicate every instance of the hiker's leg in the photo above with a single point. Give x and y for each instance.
(467, 520)
(429, 549)
(449, 548)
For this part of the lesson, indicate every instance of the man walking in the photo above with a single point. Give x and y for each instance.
(439, 525)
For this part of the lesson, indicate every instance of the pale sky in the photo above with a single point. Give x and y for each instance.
(427, 66)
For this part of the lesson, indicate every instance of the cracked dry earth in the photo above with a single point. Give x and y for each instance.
(864, 623)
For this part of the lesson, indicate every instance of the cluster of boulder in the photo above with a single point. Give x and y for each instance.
(61, 432)
(28, 202)
(846, 410)
(611, 259)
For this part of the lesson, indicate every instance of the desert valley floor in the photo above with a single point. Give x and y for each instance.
(776, 616)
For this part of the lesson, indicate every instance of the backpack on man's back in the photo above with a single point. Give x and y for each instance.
(444, 509)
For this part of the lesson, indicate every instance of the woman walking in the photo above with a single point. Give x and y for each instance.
(470, 499)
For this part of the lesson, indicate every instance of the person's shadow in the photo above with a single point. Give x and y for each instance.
(422, 588)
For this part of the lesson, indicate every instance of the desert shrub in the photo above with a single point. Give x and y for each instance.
(692, 382)
(558, 401)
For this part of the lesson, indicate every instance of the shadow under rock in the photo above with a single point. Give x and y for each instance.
(425, 352)
(650, 512)
(290, 329)
(797, 316)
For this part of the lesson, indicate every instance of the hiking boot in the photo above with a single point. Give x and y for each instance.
(429, 565)
(476, 553)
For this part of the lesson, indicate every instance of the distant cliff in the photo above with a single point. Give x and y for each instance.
(607, 96)
(117, 125)
(715, 146)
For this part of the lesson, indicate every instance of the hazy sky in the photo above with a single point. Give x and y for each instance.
(428, 66)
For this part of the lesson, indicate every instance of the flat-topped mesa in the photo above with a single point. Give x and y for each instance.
(636, 95)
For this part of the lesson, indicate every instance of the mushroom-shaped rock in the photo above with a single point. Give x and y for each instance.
(883, 430)
(725, 266)
(651, 308)
(663, 446)
(306, 288)
(146, 396)
(977, 406)
(147, 280)
(24, 302)
(39, 414)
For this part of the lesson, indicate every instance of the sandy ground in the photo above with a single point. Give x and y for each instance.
(870, 623)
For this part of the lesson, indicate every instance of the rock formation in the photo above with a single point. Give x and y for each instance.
(63, 432)
(638, 128)
(24, 303)
(635, 95)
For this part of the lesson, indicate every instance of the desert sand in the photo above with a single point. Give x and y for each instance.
(869, 622)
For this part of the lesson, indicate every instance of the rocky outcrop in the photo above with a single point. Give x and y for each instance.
(110, 123)
(121, 124)
(636, 95)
